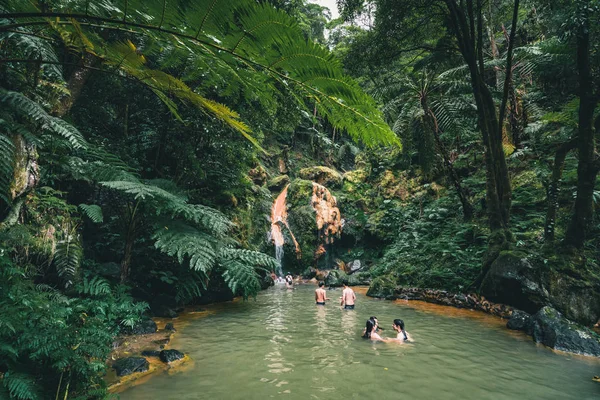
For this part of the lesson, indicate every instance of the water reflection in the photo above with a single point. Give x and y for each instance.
(276, 323)
(284, 345)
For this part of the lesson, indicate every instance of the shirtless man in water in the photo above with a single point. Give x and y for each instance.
(348, 297)
(321, 295)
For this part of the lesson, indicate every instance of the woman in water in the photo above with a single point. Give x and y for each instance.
(398, 326)
(370, 331)
(289, 281)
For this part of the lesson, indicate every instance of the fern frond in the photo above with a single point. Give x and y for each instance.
(28, 109)
(142, 191)
(67, 258)
(186, 242)
(96, 286)
(254, 258)
(93, 212)
(7, 150)
(244, 41)
(21, 386)
(241, 278)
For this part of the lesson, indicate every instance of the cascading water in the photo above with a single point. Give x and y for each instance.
(279, 218)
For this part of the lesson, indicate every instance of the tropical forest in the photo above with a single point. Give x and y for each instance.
(182, 180)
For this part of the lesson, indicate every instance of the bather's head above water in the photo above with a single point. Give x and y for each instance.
(399, 327)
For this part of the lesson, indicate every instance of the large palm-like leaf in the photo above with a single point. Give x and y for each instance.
(238, 43)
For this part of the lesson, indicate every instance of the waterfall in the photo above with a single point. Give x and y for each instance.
(279, 257)
(279, 219)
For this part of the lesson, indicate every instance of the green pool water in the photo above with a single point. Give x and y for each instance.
(283, 346)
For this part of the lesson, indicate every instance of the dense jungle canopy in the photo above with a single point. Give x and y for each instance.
(143, 143)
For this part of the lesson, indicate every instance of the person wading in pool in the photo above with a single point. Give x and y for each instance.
(320, 295)
(370, 331)
(398, 326)
(289, 281)
(348, 297)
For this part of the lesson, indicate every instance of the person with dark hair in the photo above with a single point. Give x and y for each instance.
(320, 295)
(289, 281)
(348, 297)
(398, 326)
(370, 331)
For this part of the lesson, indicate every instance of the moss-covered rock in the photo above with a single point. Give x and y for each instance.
(512, 280)
(382, 287)
(336, 278)
(299, 193)
(278, 183)
(322, 175)
(555, 331)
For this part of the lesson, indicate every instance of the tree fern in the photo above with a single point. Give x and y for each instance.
(241, 40)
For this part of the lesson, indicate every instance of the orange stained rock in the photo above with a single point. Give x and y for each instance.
(329, 219)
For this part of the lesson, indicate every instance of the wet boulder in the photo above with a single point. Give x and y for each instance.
(552, 329)
(512, 280)
(520, 321)
(168, 356)
(129, 365)
(143, 327)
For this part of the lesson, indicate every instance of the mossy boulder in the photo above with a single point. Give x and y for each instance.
(278, 183)
(299, 193)
(512, 280)
(382, 287)
(322, 175)
(574, 291)
(552, 329)
(335, 278)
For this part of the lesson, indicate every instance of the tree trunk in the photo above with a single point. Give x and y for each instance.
(516, 129)
(586, 169)
(26, 170)
(498, 191)
(554, 188)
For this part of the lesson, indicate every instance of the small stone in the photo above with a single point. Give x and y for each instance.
(170, 327)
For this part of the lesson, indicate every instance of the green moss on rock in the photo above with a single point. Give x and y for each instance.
(382, 287)
(279, 182)
(322, 175)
